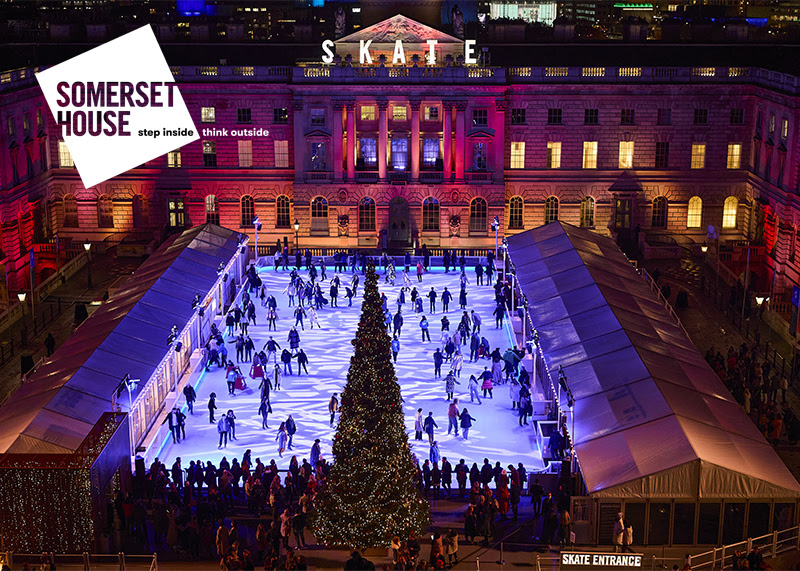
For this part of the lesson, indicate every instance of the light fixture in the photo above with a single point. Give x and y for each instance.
(760, 299)
(87, 246)
(257, 223)
(220, 268)
(21, 296)
(296, 225)
(704, 248)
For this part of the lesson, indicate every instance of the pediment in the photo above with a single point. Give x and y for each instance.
(398, 27)
(317, 133)
(480, 133)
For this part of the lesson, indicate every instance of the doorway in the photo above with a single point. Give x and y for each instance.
(398, 221)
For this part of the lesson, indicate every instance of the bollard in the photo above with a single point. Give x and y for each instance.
(85, 561)
(478, 563)
(121, 557)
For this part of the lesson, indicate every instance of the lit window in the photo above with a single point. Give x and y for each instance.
(554, 116)
(399, 113)
(771, 124)
(209, 153)
(479, 156)
(367, 112)
(246, 154)
(784, 129)
(368, 151)
(694, 215)
(480, 117)
(212, 210)
(431, 113)
(208, 115)
(517, 155)
(280, 115)
(174, 159)
(430, 215)
(366, 214)
(318, 117)
(430, 152)
(698, 155)
(701, 116)
(662, 155)
(664, 117)
(587, 212)
(729, 212)
(282, 214)
(478, 216)
(64, 157)
(281, 154)
(627, 117)
(399, 153)
(626, 154)
(591, 116)
(659, 212)
(734, 155)
(515, 212)
(550, 209)
(26, 124)
(248, 210)
(518, 116)
(243, 115)
(737, 116)
(554, 154)
(12, 128)
(39, 119)
(177, 212)
(318, 157)
(590, 154)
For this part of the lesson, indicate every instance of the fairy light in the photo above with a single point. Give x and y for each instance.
(370, 494)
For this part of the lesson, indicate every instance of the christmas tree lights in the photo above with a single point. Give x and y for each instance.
(370, 494)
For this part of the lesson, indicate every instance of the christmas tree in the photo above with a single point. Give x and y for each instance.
(370, 494)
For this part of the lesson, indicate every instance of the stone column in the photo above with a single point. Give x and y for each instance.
(338, 147)
(447, 139)
(299, 141)
(383, 139)
(461, 140)
(351, 140)
(499, 142)
(414, 148)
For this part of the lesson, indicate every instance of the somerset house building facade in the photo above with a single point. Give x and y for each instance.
(384, 144)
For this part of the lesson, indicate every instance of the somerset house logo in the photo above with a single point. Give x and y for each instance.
(118, 106)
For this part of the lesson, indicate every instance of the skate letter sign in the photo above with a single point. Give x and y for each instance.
(576, 561)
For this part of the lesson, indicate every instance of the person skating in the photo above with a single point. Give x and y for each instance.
(174, 424)
(291, 428)
(271, 347)
(452, 417)
(231, 425)
(264, 410)
(212, 406)
(418, 425)
(423, 326)
(302, 361)
(191, 396)
(473, 389)
(446, 299)
(432, 295)
(281, 438)
(450, 383)
(429, 425)
(223, 427)
(395, 345)
(466, 423)
(397, 321)
(299, 315)
(286, 359)
(333, 406)
(486, 382)
(438, 359)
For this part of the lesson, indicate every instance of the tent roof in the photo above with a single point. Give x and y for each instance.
(651, 416)
(54, 411)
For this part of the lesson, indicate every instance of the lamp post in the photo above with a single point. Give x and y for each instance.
(496, 228)
(296, 230)
(21, 295)
(505, 253)
(256, 227)
(745, 296)
(88, 247)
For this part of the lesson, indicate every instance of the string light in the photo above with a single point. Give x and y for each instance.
(370, 494)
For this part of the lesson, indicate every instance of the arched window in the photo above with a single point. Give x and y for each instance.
(550, 209)
(319, 215)
(70, 211)
(694, 215)
(282, 216)
(105, 212)
(730, 212)
(659, 212)
(248, 210)
(141, 212)
(366, 214)
(587, 212)
(212, 210)
(478, 216)
(515, 212)
(430, 215)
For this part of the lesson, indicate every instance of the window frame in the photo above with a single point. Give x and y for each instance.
(367, 214)
(555, 116)
(519, 116)
(69, 204)
(208, 114)
(211, 203)
(174, 159)
(734, 157)
(480, 117)
(248, 153)
(627, 116)
(209, 154)
(402, 150)
(737, 116)
(625, 159)
(478, 215)
(281, 152)
(662, 155)
(316, 117)
(431, 212)
(694, 212)
(65, 160)
(369, 111)
(283, 211)
(244, 115)
(698, 159)
(553, 159)
(517, 158)
(730, 213)
(589, 160)
(280, 115)
(551, 209)
(659, 212)
(587, 216)
(516, 212)
(591, 116)
(105, 211)
(404, 114)
(701, 116)
(247, 210)
(431, 113)
(664, 116)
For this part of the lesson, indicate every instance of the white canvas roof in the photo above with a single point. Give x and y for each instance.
(652, 419)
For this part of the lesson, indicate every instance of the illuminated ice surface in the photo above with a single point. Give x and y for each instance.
(495, 434)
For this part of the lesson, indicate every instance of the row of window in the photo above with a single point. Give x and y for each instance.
(555, 116)
(105, 212)
(26, 124)
(280, 115)
(625, 157)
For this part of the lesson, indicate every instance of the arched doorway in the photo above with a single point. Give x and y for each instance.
(399, 233)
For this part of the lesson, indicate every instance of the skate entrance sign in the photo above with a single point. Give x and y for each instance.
(590, 561)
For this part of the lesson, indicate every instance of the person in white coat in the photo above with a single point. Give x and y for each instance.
(458, 363)
(418, 425)
(619, 533)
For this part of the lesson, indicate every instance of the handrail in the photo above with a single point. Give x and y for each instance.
(770, 542)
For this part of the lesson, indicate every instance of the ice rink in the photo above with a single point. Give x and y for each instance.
(495, 434)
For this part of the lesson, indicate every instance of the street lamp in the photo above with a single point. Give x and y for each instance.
(296, 230)
(704, 248)
(496, 228)
(257, 227)
(88, 247)
(505, 253)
